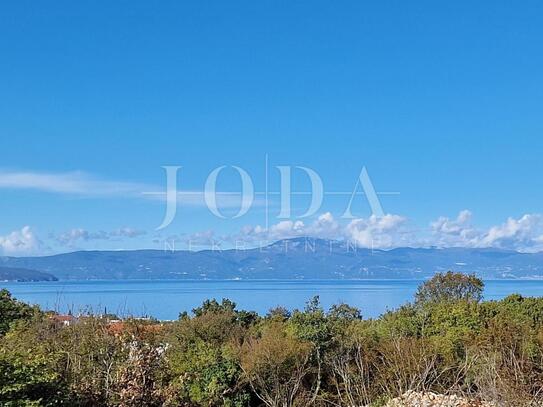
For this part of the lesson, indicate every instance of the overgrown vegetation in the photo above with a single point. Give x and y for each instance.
(446, 341)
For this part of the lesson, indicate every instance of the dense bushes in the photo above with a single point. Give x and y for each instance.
(12, 310)
(446, 341)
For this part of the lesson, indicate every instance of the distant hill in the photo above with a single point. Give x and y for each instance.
(21, 274)
(298, 258)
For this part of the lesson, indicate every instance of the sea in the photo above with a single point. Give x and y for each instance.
(165, 299)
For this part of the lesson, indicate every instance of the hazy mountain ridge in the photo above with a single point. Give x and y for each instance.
(300, 258)
(21, 274)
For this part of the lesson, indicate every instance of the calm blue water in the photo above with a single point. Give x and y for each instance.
(165, 299)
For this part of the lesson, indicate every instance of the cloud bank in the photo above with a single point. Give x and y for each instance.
(73, 237)
(524, 234)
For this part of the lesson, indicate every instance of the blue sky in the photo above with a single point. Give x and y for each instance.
(441, 102)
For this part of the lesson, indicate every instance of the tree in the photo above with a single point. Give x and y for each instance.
(313, 326)
(280, 313)
(12, 310)
(213, 306)
(92, 353)
(275, 365)
(205, 372)
(344, 313)
(139, 379)
(29, 373)
(450, 287)
(28, 381)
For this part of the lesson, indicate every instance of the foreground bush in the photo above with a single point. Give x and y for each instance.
(447, 341)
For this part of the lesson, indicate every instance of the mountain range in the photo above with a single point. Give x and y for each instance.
(299, 258)
(20, 274)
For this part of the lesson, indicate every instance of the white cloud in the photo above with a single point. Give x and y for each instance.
(72, 237)
(524, 234)
(224, 200)
(20, 242)
(454, 227)
(77, 183)
(325, 226)
(127, 232)
(378, 232)
(206, 238)
(86, 185)
(454, 232)
(282, 230)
